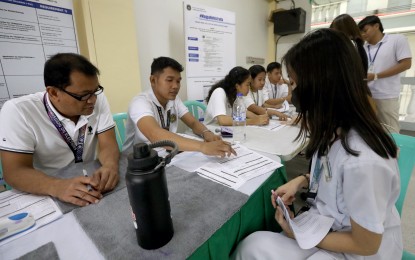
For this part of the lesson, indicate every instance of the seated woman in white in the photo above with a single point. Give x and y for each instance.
(354, 177)
(222, 95)
(255, 99)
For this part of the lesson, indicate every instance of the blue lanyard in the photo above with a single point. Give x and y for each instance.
(78, 149)
(376, 53)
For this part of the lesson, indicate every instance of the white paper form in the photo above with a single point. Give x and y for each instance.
(308, 228)
(43, 209)
(274, 125)
(236, 170)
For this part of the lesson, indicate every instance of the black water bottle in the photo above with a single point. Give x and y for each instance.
(148, 194)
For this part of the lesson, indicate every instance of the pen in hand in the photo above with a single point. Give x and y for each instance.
(86, 175)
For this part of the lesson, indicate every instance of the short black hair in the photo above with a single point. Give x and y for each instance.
(273, 65)
(372, 20)
(160, 63)
(58, 69)
(255, 70)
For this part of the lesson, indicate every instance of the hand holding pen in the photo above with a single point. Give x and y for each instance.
(88, 186)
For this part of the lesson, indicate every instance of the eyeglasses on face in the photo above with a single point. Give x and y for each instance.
(85, 97)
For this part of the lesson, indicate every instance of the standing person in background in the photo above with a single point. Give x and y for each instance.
(345, 24)
(69, 123)
(222, 95)
(355, 175)
(254, 101)
(276, 92)
(389, 55)
(153, 115)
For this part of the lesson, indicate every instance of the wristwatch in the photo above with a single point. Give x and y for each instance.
(375, 77)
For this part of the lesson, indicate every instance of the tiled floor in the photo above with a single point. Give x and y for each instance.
(299, 165)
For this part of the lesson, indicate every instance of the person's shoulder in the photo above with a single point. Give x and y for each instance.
(26, 101)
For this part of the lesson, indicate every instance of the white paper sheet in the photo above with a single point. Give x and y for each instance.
(274, 125)
(43, 209)
(234, 171)
(308, 228)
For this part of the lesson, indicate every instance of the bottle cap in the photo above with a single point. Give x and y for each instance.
(239, 94)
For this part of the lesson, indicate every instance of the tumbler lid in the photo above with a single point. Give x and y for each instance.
(143, 158)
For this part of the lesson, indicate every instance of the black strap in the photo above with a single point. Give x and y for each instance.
(163, 125)
(77, 149)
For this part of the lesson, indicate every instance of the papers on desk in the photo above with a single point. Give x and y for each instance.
(274, 125)
(43, 209)
(308, 228)
(284, 108)
(234, 171)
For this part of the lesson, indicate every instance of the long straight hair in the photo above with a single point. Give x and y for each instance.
(237, 75)
(332, 95)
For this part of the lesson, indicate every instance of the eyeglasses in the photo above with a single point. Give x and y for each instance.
(85, 97)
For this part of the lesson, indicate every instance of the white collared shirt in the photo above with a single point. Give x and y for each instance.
(395, 47)
(145, 104)
(272, 91)
(218, 105)
(26, 128)
(256, 98)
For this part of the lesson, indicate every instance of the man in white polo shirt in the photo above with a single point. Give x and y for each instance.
(276, 92)
(46, 131)
(389, 55)
(154, 114)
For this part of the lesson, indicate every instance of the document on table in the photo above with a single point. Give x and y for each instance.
(234, 171)
(284, 108)
(308, 228)
(274, 125)
(43, 209)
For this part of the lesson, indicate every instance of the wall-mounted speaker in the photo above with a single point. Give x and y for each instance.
(289, 21)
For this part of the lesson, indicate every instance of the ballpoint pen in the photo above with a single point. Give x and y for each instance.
(86, 175)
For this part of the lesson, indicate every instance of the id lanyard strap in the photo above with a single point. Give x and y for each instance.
(163, 125)
(371, 61)
(322, 165)
(256, 100)
(78, 149)
(274, 91)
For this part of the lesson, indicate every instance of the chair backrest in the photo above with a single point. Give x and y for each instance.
(193, 106)
(406, 162)
(120, 120)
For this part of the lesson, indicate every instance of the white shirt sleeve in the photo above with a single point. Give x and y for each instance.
(105, 120)
(15, 134)
(181, 108)
(283, 90)
(403, 51)
(140, 107)
(367, 188)
(216, 106)
(248, 100)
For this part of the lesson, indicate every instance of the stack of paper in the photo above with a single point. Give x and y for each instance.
(43, 209)
(308, 228)
(234, 171)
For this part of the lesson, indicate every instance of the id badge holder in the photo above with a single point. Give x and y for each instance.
(326, 168)
(371, 68)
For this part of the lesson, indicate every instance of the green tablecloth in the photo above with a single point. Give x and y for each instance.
(256, 214)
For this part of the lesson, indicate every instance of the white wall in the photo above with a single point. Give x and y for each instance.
(286, 42)
(160, 32)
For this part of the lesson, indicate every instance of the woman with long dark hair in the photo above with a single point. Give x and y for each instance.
(222, 95)
(354, 176)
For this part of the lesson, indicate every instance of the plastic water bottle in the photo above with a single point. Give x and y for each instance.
(239, 119)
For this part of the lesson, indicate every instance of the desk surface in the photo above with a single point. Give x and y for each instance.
(72, 242)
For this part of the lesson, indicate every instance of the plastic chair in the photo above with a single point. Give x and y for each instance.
(406, 162)
(194, 106)
(120, 120)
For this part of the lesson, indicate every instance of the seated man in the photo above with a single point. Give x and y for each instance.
(154, 114)
(275, 90)
(46, 131)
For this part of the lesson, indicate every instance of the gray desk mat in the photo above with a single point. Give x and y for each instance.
(199, 207)
(47, 251)
(76, 170)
